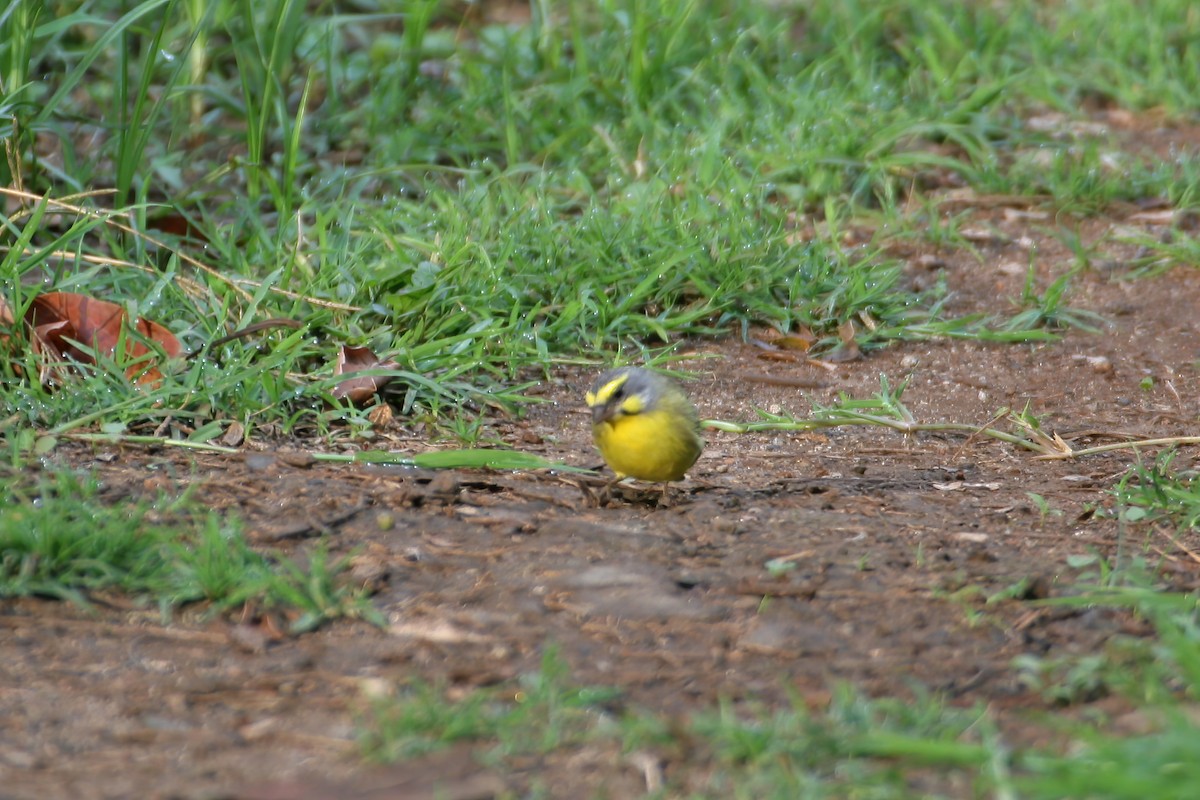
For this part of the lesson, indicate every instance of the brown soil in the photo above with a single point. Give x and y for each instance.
(897, 543)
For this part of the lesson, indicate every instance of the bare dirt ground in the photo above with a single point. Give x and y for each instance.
(897, 542)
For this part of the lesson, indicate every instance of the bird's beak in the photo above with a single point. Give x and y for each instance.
(602, 413)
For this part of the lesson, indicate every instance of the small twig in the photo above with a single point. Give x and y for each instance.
(1105, 448)
(108, 218)
(986, 426)
(1190, 553)
(188, 285)
(854, 418)
(123, 438)
(266, 324)
(1050, 447)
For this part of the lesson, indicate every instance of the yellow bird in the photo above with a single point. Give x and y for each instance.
(644, 425)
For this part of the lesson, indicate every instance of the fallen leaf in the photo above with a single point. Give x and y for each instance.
(848, 350)
(802, 341)
(235, 434)
(1165, 216)
(778, 355)
(381, 415)
(66, 327)
(360, 388)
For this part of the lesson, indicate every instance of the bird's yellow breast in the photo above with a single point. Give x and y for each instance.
(651, 446)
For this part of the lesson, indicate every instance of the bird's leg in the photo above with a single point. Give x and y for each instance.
(612, 485)
(603, 496)
(595, 498)
(589, 497)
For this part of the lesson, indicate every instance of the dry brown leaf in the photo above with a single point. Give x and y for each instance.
(359, 388)
(381, 415)
(176, 224)
(848, 350)
(802, 341)
(65, 327)
(778, 355)
(235, 434)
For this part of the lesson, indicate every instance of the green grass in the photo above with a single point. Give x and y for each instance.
(60, 539)
(478, 200)
(855, 746)
(1158, 492)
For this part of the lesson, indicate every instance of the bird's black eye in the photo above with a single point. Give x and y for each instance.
(619, 392)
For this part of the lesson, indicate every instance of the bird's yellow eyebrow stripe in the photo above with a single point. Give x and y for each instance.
(605, 392)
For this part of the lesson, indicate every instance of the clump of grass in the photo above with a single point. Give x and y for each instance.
(1049, 309)
(542, 713)
(1160, 492)
(732, 753)
(1158, 675)
(855, 746)
(59, 539)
